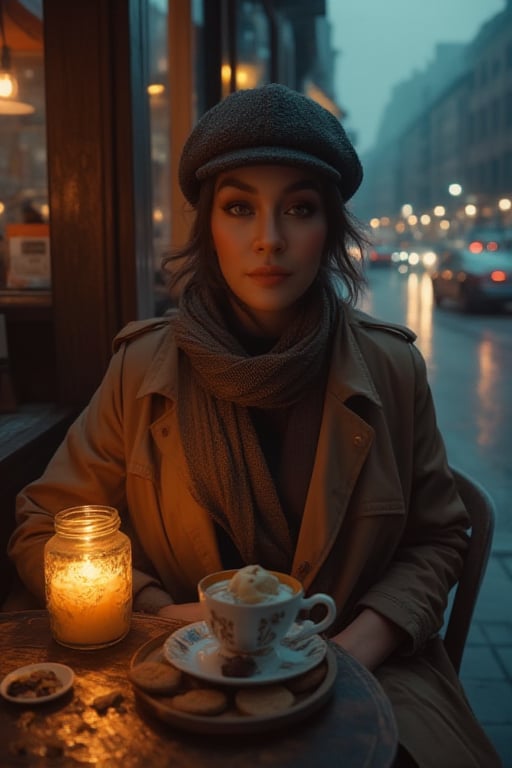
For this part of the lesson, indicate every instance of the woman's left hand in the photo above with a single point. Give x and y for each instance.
(370, 638)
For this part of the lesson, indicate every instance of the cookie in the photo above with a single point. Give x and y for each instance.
(155, 677)
(201, 701)
(308, 680)
(264, 700)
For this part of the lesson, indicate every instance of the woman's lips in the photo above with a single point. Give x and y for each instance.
(269, 276)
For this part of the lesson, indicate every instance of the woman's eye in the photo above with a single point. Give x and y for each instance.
(301, 210)
(237, 209)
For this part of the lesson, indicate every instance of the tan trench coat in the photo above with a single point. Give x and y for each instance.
(383, 525)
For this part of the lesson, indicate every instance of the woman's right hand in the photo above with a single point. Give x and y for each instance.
(187, 612)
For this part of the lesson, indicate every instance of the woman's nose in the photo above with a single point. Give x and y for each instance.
(269, 236)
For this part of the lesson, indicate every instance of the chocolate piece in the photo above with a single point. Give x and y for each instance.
(239, 666)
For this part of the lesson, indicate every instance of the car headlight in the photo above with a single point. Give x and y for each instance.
(429, 258)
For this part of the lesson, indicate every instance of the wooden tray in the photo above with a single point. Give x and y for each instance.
(231, 721)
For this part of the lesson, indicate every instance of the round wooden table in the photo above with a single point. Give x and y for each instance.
(354, 728)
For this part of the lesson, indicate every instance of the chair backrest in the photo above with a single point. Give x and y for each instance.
(482, 512)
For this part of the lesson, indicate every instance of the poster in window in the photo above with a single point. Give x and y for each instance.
(28, 256)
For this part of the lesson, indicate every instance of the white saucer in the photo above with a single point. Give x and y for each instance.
(195, 650)
(63, 673)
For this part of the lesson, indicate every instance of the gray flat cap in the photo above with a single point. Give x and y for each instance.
(268, 125)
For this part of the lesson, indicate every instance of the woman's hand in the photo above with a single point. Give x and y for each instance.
(187, 612)
(370, 638)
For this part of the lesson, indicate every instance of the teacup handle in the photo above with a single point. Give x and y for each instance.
(309, 627)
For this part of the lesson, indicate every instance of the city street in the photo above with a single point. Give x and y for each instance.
(469, 360)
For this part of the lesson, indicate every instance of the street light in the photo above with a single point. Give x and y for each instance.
(455, 189)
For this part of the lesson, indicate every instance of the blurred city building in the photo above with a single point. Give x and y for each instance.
(444, 146)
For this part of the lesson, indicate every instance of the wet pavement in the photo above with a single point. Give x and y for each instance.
(486, 671)
(469, 363)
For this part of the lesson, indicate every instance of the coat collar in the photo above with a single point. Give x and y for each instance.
(161, 377)
(349, 375)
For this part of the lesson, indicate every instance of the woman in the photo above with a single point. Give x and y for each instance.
(267, 421)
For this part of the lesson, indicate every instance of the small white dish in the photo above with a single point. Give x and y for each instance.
(194, 650)
(63, 673)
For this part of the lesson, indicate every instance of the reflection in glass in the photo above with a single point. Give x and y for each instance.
(159, 115)
(24, 212)
(252, 48)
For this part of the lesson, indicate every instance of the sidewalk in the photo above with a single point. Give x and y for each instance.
(486, 671)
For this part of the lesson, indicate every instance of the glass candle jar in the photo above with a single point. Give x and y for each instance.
(88, 578)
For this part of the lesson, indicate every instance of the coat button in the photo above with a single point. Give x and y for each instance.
(303, 569)
(358, 441)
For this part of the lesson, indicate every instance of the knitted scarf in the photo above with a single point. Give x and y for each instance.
(218, 382)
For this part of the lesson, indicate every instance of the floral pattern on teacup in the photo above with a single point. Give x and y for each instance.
(266, 629)
(222, 628)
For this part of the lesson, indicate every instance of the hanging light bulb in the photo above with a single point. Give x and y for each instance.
(8, 82)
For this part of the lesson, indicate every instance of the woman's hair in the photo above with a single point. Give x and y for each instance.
(196, 261)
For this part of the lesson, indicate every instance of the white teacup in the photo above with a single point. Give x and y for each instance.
(258, 628)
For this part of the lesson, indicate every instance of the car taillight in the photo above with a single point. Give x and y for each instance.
(498, 276)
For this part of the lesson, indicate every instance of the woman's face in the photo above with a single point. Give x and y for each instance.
(269, 229)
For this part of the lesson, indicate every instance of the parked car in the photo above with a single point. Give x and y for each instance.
(473, 280)
(489, 239)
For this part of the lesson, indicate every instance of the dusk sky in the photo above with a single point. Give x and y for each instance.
(381, 42)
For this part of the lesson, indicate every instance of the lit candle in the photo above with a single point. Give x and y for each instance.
(88, 578)
(89, 604)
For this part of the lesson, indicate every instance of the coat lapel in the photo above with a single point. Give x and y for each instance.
(344, 442)
(343, 446)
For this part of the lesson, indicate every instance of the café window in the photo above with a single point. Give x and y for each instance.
(159, 117)
(252, 47)
(25, 264)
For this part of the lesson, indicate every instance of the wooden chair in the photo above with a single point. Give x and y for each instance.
(482, 512)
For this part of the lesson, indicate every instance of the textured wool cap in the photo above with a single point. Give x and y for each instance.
(272, 124)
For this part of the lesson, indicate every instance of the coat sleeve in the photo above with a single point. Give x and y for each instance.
(413, 592)
(88, 468)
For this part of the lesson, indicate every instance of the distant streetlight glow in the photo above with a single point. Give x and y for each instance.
(406, 210)
(444, 224)
(470, 210)
(412, 219)
(439, 210)
(505, 204)
(425, 219)
(455, 190)
(155, 89)
(374, 223)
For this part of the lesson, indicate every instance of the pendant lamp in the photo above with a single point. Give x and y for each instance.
(9, 105)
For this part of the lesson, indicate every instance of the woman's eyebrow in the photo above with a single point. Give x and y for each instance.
(232, 181)
(296, 186)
